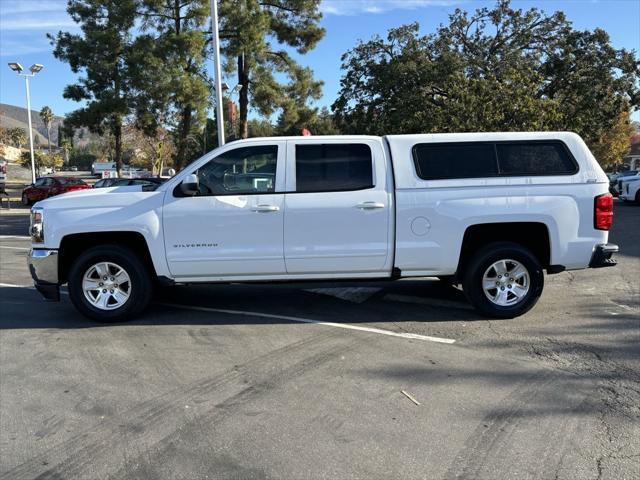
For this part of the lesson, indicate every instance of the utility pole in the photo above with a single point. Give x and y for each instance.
(217, 71)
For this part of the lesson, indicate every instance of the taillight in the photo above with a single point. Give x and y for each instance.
(603, 212)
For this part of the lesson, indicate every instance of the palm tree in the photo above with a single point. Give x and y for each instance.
(47, 117)
(65, 144)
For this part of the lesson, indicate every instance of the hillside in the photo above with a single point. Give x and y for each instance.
(12, 116)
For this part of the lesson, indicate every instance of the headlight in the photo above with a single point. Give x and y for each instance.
(37, 225)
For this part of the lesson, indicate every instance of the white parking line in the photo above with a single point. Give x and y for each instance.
(11, 285)
(379, 331)
(412, 336)
(14, 237)
(28, 287)
(15, 248)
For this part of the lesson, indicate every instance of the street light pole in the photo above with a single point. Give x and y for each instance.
(217, 71)
(33, 162)
(35, 68)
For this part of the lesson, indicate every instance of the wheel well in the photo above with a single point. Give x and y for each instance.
(73, 245)
(532, 235)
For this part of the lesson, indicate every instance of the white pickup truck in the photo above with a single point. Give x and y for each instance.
(489, 211)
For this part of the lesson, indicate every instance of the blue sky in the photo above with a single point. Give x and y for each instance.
(24, 24)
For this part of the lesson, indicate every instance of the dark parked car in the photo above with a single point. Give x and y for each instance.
(124, 182)
(49, 186)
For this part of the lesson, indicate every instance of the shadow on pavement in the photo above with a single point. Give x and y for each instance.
(388, 302)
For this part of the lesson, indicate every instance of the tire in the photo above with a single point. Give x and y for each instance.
(132, 295)
(522, 290)
(25, 200)
(638, 197)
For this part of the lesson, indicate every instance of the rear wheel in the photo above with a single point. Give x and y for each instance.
(504, 280)
(108, 283)
(638, 197)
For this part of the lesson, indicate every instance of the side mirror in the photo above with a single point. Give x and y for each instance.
(189, 185)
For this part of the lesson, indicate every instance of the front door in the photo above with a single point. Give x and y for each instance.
(338, 208)
(234, 226)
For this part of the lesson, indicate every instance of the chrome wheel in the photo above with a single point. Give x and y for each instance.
(506, 282)
(106, 286)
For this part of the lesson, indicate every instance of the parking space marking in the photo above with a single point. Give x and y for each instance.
(15, 248)
(28, 287)
(379, 331)
(14, 237)
(412, 336)
(11, 285)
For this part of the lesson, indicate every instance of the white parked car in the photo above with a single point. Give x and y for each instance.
(616, 183)
(630, 189)
(491, 211)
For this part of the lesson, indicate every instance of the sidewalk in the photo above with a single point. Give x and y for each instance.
(16, 208)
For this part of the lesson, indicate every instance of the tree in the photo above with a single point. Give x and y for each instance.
(498, 69)
(41, 160)
(615, 143)
(47, 118)
(260, 128)
(5, 136)
(66, 146)
(247, 31)
(100, 52)
(18, 136)
(292, 122)
(153, 152)
(170, 81)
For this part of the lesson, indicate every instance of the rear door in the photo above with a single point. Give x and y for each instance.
(337, 208)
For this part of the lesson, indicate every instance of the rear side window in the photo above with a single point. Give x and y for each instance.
(538, 158)
(462, 160)
(439, 161)
(333, 167)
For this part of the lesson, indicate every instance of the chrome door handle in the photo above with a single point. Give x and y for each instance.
(370, 205)
(265, 208)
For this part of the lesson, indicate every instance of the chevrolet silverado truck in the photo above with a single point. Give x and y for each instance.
(488, 211)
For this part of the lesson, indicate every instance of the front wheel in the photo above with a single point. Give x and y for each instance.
(503, 280)
(108, 283)
(25, 200)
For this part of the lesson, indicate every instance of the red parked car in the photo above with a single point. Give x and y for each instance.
(49, 186)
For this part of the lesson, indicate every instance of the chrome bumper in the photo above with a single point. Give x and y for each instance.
(43, 265)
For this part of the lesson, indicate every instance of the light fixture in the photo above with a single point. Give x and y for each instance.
(33, 69)
(15, 66)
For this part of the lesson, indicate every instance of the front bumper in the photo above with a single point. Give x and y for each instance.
(602, 254)
(43, 265)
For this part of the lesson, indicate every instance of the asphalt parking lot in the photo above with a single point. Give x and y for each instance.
(347, 381)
